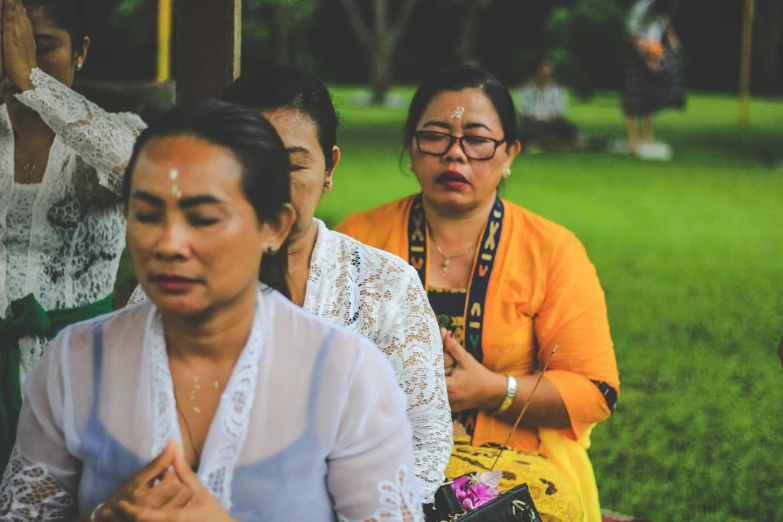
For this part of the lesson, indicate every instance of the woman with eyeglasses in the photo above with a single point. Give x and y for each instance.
(508, 287)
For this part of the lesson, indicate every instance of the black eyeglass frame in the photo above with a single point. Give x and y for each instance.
(458, 139)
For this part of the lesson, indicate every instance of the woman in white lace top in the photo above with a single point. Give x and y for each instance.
(61, 166)
(217, 399)
(369, 291)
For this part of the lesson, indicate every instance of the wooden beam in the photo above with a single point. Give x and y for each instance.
(164, 41)
(746, 61)
(209, 41)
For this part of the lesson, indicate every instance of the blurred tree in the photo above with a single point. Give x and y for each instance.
(274, 30)
(582, 38)
(380, 39)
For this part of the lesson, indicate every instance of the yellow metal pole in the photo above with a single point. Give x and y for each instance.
(746, 60)
(164, 41)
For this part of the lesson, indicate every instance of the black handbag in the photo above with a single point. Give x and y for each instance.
(514, 505)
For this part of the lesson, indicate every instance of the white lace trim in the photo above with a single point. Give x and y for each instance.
(378, 296)
(218, 460)
(28, 493)
(101, 138)
(398, 501)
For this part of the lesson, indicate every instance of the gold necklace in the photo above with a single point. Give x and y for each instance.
(447, 260)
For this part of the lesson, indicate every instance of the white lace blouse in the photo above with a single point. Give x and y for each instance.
(76, 224)
(311, 423)
(378, 296)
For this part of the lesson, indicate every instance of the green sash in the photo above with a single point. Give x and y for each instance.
(28, 318)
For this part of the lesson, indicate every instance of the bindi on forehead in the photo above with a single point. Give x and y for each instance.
(173, 175)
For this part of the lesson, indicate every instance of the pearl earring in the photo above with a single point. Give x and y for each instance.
(507, 172)
(79, 67)
(271, 251)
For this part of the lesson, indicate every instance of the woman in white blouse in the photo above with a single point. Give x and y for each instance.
(61, 166)
(217, 399)
(371, 292)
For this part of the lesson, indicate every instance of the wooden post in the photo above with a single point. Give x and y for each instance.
(746, 61)
(164, 41)
(209, 40)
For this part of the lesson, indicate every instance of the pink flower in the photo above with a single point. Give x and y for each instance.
(472, 494)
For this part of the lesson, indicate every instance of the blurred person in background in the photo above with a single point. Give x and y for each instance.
(543, 105)
(653, 80)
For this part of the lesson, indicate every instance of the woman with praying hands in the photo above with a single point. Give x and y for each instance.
(62, 161)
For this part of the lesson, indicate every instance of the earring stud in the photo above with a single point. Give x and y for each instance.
(271, 251)
(507, 172)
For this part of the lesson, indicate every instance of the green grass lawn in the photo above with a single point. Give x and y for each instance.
(690, 254)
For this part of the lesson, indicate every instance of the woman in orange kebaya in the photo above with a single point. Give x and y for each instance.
(508, 286)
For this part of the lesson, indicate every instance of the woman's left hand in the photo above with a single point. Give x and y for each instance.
(18, 44)
(470, 384)
(203, 507)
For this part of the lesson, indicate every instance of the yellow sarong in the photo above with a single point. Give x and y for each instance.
(554, 494)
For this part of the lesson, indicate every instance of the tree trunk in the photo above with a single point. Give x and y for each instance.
(381, 57)
(379, 39)
(381, 75)
(466, 44)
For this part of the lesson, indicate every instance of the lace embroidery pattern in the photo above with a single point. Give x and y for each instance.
(233, 414)
(378, 296)
(29, 493)
(100, 138)
(397, 501)
(77, 231)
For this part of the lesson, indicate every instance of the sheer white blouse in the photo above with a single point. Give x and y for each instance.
(311, 425)
(67, 240)
(379, 296)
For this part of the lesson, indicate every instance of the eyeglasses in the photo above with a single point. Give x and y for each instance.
(438, 143)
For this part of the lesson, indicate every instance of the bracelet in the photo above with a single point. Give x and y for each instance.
(511, 393)
(94, 512)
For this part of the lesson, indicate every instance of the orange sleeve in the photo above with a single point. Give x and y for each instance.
(357, 226)
(573, 317)
(345, 227)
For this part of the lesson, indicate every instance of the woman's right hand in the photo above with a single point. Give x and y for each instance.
(154, 486)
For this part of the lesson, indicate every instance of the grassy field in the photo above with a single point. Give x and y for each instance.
(690, 254)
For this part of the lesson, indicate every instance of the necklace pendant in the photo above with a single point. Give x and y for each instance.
(446, 263)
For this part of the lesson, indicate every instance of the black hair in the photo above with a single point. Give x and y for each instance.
(273, 87)
(70, 15)
(457, 78)
(257, 147)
